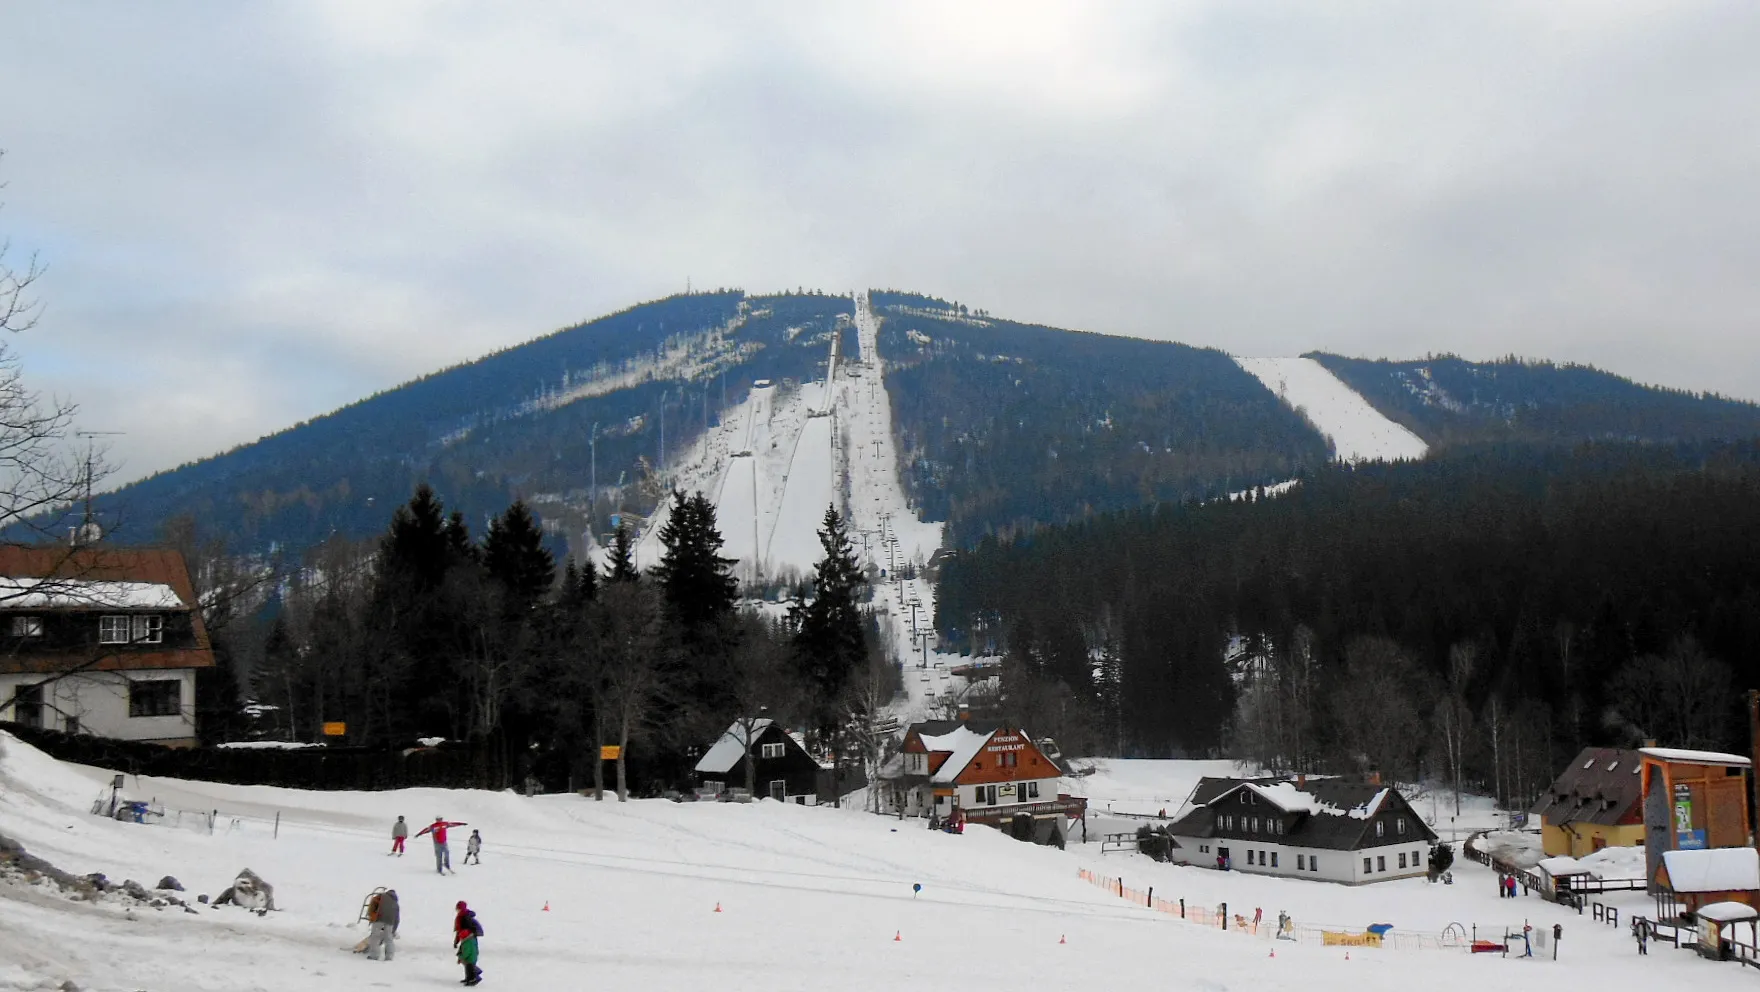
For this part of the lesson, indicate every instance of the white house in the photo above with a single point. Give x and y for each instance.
(101, 641)
(1329, 830)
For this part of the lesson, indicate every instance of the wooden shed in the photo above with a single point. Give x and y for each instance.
(1693, 800)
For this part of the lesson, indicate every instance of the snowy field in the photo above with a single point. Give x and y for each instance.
(810, 898)
(1357, 430)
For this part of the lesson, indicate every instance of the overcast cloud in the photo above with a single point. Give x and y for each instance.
(253, 213)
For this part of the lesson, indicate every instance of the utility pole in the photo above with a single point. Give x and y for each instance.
(1754, 739)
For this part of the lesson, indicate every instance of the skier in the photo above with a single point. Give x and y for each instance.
(383, 916)
(465, 939)
(473, 848)
(442, 854)
(399, 834)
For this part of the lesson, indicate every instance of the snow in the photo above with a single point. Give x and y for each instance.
(25, 593)
(721, 758)
(1357, 430)
(1717, 869)
(1516, 847)
(1561, 866)
(810, 898)
(1616, 862)
(268, 745)
(965, 744)
(1144, 787)
(1728, 912)
(1696, 757)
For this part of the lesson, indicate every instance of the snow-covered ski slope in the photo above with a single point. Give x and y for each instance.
(810, 899)
(1357, 430)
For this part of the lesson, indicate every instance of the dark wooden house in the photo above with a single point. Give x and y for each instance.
(784, 769)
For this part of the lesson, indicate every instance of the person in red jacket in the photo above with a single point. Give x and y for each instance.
(442, 855)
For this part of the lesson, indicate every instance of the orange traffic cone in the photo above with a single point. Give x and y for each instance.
(1061, 940)
(897, 936)
(546, 905)
(717, 907)
(1347, 955)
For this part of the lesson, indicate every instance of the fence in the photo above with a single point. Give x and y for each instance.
(1455, 938)
(455, 766)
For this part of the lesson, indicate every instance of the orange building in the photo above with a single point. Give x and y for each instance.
(1693, 801)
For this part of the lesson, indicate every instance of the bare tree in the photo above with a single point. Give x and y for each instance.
(1454, 717)
(1682, 697)
(1373, 708)
(635, 674)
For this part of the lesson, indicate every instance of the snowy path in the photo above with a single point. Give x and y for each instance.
(1357, 430)
(809, 898)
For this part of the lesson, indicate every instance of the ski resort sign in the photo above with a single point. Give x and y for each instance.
(1073, 807)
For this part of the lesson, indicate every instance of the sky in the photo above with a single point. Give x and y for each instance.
(251, 214)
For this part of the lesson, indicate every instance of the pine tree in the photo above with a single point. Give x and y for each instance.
(621, 565)
(829, 641)
(698, 583)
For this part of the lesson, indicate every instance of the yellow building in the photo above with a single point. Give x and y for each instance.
(1594, 803)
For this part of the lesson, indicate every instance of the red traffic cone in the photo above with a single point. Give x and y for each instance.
(546, 905)
(1274, 952)
(897, 936)
(1347, 955)
(717, 907)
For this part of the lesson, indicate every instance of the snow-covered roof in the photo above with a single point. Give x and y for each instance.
(1697, 757)
(267, 745)
(1561, 866)
(1292, 799)
(38, 594)
(1728, 912)
(964, 745)
(732, 746)
(1717, 869)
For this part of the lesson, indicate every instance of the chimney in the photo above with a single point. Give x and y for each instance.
(1649, 742)
(964, 713)
(1301, 780)
(1374, 778)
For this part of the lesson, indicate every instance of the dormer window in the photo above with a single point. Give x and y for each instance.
(146, 629)
(1380, 828)
(27, 626)
(1399, 825)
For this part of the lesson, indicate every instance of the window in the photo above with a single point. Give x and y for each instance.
(1253, 797)
(771, 750)
(1299, 863)
(1402, 859)
(1313, 863)
(1008, 759)
(1032, 790)
(27, 705)
(159, 697)
(1253, 825)
(72, 725)
(1399, 825)
(1250, 856)
(1366, 867)
(147, 629)
(1243, 797)
(1381, 863)
(1274, 859)
(1380, 828)
(27, 626)
(779, 789)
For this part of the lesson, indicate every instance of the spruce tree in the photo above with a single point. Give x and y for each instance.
(698, 583)
(515, 556)
(829, 641)
(620, 566)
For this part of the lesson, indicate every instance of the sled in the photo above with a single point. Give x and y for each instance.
(366, 906)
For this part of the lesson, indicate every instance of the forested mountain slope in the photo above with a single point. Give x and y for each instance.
(1562, 595)
(1448, 400)
(519, 422)
(1003, 426)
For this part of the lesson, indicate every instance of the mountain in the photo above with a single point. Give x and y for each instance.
(999, 427)
(1448, 400)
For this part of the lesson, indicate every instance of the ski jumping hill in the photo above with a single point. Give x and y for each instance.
(741, 898)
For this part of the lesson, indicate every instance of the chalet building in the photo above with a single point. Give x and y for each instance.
(1330, 830)
(102, 641)
(986, 768)
(784, 769)
(1693, 800)
(1596, 802)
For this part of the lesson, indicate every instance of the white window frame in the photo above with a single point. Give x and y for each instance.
(113, 628)
(177, 710)
(138, 628)
(27, 626)
(767, 751)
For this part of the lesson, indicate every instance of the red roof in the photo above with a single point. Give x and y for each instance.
(163, 566)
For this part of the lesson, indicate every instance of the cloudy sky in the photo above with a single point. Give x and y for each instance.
(253, 213)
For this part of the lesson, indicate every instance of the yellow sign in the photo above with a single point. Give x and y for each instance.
(1331, 938)
(337, 729)
(610, 752)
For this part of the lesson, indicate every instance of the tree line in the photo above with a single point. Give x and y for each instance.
(1478, 616)
(431, 631)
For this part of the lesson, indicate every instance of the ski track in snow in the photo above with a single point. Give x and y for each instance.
(1357, 430)
(578, 894)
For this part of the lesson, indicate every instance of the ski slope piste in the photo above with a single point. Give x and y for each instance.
(655, 895)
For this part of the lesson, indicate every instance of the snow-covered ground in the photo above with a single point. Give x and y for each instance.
(810, 898)
(1357, 430)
